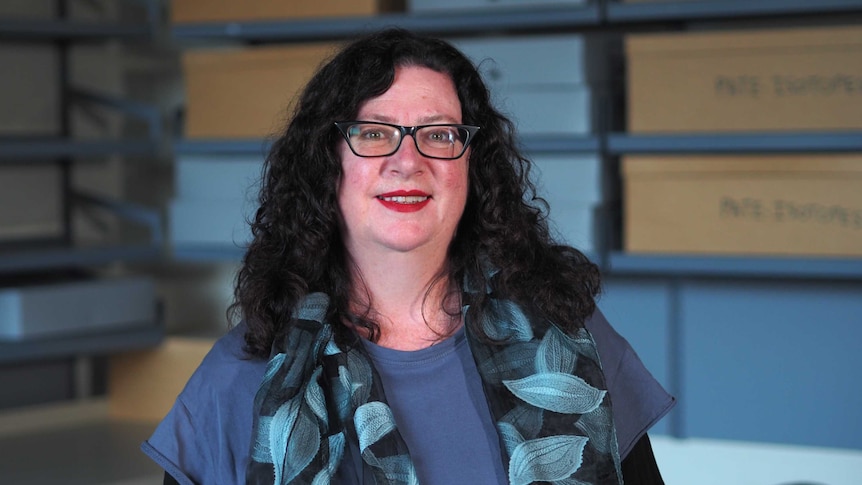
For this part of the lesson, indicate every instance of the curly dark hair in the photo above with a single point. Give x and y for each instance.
(297, 246)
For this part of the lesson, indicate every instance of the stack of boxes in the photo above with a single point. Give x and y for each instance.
(546, 84)
(51, 301)
(30, 107)
(215, 199)
(239, 94)
(549, 86)
(745, 82)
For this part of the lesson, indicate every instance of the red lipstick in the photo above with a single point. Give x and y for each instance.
(404, 200)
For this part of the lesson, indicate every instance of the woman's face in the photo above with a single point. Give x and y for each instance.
(405, 201)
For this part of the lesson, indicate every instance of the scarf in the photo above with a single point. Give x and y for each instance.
(545, 390)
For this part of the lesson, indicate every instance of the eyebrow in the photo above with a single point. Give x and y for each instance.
(422, 121)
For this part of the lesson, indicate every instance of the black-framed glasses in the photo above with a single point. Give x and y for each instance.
(374, 139)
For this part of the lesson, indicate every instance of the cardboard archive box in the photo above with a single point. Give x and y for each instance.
(246, 92)
(576, 190)
(238, 11)
(445, 6)
(544, 83)
(31, 202)
(143, 385)
(68, 307)
(215, 197)
(760, 80)
(744, 205)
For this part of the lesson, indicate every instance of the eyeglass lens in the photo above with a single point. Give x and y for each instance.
(436, 141)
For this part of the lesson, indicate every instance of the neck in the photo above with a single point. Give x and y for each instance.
(407, 295)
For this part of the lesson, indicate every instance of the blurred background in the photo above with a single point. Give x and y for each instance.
(707, 154)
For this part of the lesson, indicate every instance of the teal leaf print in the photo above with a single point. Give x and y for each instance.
(528, 419)
(511, 437)
(303, 346)
(570, 481)
(312, 307)
(595, 425)
(272, 366)
(586, 345)
(372, 420)
(546, 459)
(294, 439)
(506, 321)
(399, 469)
(360, 378)
(354, 384)
(279, 429)
(331, 348)
(513, 362)
(260, 449)
(314, 396)
(558, 392)
(336, 450)
(555, 354)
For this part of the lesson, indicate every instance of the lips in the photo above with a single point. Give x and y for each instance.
(404, 200)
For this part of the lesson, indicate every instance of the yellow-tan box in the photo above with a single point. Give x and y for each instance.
(246, 92)
(144, 384)
(743, 205)
(748, 80)
(182, 11)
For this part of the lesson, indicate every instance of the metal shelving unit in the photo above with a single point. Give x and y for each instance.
(34, 30)
(45, 256)
(532, 144)
(599, 16)
(145, 335)
(594, 16)
(767, 267)
(620, 144)
(207, 253)
(516, 20)
(691, 11)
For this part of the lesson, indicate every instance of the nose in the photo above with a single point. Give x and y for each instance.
(406, 160)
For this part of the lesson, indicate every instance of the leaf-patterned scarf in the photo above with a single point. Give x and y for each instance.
(545, 390)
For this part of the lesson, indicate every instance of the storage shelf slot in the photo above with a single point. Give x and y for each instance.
(736, 143)
(520, 20)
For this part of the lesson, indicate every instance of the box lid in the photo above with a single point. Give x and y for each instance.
(234, 57)
(744, 40)
(793, 165)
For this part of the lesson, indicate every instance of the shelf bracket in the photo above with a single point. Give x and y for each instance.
(142, 111)
(140, 214)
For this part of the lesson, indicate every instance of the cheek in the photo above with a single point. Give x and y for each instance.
(460, 179)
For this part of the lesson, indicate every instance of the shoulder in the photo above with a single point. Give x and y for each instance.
(205, 436)
(638, 400)
(226, 374)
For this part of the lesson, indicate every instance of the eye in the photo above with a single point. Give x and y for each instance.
(372, 133)
(441, 134)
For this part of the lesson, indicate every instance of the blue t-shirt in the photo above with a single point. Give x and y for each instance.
(439, 406)
(205, 438)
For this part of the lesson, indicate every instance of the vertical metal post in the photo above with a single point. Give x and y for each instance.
(65, 162)
(676, 358)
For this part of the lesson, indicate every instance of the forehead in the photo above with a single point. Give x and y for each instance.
(417, 94)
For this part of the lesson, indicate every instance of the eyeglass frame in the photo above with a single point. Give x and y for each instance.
(343, 126)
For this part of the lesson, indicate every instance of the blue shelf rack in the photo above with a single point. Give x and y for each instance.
(532, 144)
(765, 267)
(515, 20)
(623, 13)
(143, 336)
(620, 143)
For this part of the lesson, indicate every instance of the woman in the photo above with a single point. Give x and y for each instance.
(406, 317)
